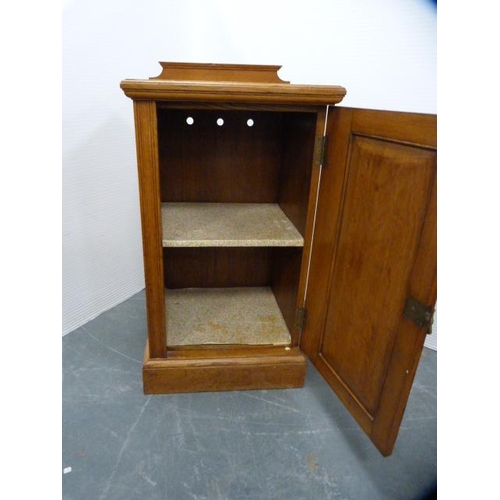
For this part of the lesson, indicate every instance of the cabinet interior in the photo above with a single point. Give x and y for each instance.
(234, 187)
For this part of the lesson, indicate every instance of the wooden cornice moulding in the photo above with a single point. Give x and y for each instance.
(228, 83)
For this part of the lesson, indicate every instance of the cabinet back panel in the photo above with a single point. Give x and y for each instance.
(216, 267)
(207, 162)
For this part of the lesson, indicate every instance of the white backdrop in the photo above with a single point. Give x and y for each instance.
(383, 52)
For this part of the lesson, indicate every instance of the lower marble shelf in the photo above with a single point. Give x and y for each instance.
(243, 316)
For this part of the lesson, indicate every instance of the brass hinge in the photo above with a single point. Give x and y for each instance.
(300, 319)
(319, 150)
(419, 313)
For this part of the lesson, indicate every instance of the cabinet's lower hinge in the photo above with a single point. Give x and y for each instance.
(419, 313)
(319, 150)
(300, 319)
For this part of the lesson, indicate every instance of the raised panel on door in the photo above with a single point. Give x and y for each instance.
(374, 247)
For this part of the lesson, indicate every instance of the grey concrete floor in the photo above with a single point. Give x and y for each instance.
(259, 445)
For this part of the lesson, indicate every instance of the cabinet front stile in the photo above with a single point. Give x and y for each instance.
(149, 189)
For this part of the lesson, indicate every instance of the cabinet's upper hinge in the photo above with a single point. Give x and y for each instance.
(319, 150)
(300, 319)
(419, 313)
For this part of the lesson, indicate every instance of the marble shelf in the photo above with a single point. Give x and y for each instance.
(227, 225)
(223, 316)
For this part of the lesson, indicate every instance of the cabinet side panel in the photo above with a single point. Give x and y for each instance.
(285, 284)
(299, 130)
(149, 188)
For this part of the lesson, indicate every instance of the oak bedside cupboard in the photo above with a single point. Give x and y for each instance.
(277, 226)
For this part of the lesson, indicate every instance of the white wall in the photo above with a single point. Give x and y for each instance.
(383, 52)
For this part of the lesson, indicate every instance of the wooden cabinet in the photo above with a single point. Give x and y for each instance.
(276, 226)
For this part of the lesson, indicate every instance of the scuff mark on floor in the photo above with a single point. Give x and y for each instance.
(311, 463)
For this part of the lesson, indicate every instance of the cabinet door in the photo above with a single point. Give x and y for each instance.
(372, 279)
